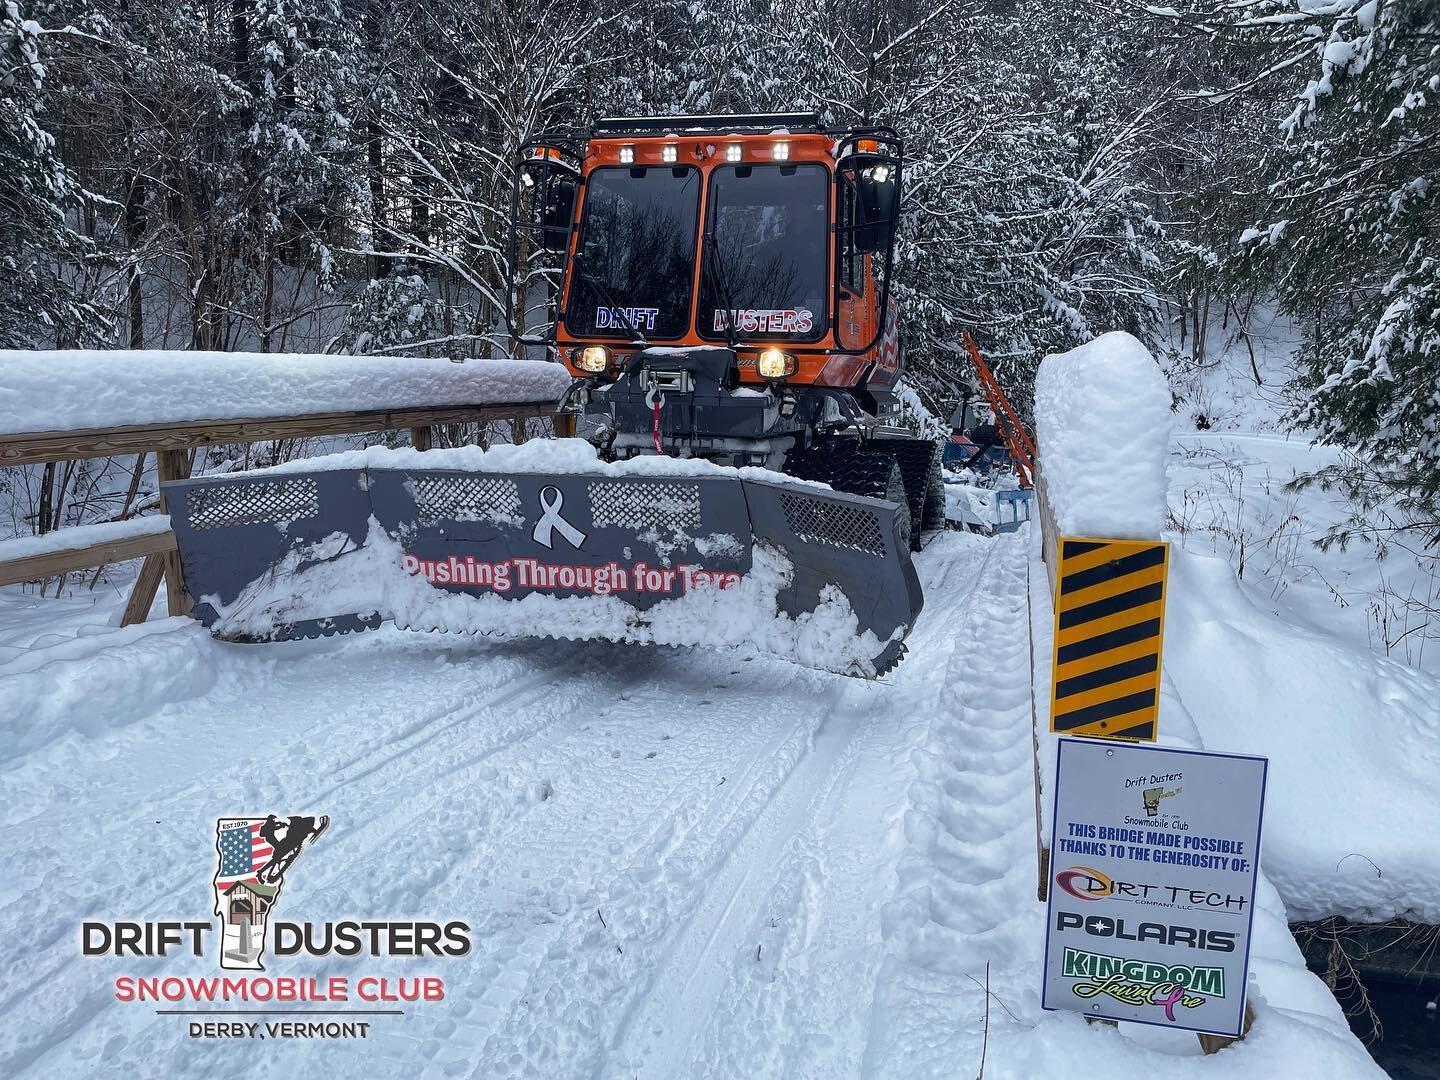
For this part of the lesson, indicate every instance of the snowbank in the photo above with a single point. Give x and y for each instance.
(965, 918)
(1353, 741)
(75, 389)
(88, 686)
(1102, 422)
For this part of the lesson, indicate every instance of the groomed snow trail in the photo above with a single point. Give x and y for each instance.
(673, 862)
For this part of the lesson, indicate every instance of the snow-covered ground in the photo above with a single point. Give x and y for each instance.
(674, 863)
(1229, 496)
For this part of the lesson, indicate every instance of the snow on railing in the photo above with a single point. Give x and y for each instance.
(71, 404)
(77, 389)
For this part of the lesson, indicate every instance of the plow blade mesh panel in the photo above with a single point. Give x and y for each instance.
(466, 498)
(641, 505)
(254, 502)
(818, 521)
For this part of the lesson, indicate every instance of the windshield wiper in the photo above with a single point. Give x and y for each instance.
(722, 285)
(594, 281)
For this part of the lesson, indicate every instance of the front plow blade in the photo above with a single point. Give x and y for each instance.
(815, 576)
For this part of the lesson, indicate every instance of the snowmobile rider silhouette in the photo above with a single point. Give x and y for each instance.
(284, 849)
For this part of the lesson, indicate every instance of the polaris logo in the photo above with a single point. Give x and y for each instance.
(1161, 933)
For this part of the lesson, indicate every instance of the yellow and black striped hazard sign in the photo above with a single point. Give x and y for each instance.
(1109, 622)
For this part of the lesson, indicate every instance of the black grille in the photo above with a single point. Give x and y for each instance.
(467, 498)
(216, 506)
(820, 521)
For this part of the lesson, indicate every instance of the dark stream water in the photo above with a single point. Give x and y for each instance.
(1410, 1048)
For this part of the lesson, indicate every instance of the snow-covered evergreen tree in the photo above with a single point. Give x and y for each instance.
(392, 315)
(1349, 239)
(38, 245)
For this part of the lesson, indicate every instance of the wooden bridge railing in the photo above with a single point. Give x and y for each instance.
(100, 545)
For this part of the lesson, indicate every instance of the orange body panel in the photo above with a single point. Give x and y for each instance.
(851, 326)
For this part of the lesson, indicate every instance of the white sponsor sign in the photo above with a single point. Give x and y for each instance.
(1153, 861)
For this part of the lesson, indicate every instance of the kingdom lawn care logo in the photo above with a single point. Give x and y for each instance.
(255, 854)
(1078, 964)
(253, 860)
(1135, 982)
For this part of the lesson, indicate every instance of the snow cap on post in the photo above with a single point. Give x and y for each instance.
(1102, 424)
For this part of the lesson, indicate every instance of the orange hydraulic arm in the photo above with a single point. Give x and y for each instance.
(1017, 439)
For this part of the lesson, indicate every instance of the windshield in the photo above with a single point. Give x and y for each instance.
(636, 259)
(765, 261)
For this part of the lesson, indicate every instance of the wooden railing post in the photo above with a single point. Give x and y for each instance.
(142, 593)
(173, 465)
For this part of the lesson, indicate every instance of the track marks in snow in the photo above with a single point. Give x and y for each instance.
(802, 977)
(657, 1032)
(570, 1010)
(700, 803)
(967, 881)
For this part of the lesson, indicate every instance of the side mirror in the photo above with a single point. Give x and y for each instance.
(547, 199)
(875, 206)
(557, 207)
(873, 180)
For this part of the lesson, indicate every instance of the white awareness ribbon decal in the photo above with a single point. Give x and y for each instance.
(551, 500)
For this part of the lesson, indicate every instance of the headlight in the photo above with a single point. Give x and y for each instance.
(775, 364)
(527, 178)
(880, 173)
(594, 359)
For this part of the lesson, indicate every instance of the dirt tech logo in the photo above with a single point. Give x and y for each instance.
(254, 855)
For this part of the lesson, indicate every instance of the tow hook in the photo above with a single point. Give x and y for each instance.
(655, 399)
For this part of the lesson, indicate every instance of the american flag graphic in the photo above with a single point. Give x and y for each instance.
(243, 851)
